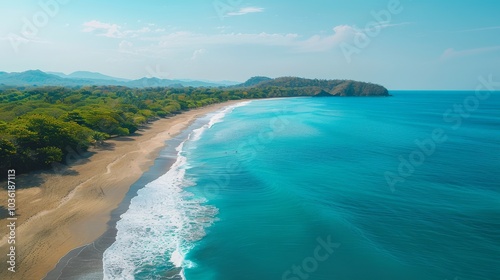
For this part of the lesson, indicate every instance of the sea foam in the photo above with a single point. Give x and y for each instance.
(163, 221)
(217, 118)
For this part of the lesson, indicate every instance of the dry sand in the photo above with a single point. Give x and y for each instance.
(58, 213)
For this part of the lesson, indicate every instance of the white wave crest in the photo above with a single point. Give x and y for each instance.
(163, 221)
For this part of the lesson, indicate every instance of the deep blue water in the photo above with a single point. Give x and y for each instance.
(405, 187)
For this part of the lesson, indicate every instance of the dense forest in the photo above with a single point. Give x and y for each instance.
(43, 126)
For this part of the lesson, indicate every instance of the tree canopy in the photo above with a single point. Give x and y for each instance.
(40, 126)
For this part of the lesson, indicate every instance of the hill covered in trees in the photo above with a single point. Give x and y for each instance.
(314, 86)
(44, 126)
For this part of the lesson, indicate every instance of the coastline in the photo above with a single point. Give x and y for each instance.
(86, 262)
(58, 214)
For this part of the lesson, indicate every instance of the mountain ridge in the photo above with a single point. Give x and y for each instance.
(285, 85)
(86, 78)
(87, 75)
(316, 87)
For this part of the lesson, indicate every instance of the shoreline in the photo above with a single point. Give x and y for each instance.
(61, 213)
(86, 262)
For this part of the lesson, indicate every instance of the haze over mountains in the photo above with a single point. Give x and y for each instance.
(311, 87)
(88, 75)
(84, 78)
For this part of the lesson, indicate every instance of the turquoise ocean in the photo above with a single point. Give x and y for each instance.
(403, 187)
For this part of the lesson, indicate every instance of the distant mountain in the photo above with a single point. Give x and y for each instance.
(86, 75)
(156, 82)
(34, 78)
(313, 87)
(255, 81)
(153, 82)
(227, 83)
(310, 87)
(60, 74)
(218, 83)
(84, 78)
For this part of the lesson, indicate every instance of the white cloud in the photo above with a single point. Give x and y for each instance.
(115, 31)
(342, 34)
(184, 39)
(179, 41)
(103, 29)
(125, 46)
(161, 44)
(318, 43)
(135, 33)
(452, 53)
(198, 53)
(384, 24)
(246, 10)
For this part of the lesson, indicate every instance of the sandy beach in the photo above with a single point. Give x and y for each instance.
(58, 213)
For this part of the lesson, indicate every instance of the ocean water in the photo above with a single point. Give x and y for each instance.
(404, 187)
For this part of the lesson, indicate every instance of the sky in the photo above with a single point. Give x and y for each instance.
(401, 44)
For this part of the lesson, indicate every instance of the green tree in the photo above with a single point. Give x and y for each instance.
(48, 155)
(74, 116)
(37, 131)
(7, 153)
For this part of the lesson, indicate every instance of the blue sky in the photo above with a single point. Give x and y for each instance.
(405, 44)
